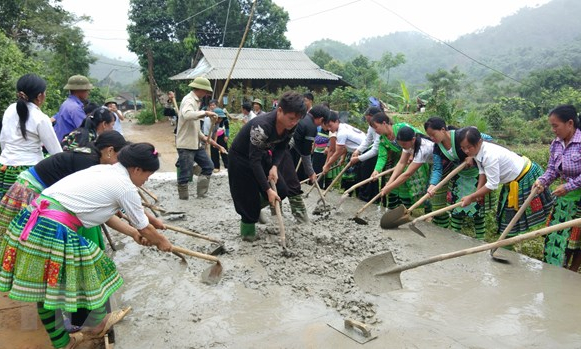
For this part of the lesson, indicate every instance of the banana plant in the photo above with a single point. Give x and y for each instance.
(404, 101)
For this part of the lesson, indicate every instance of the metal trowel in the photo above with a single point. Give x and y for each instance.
(354, 329)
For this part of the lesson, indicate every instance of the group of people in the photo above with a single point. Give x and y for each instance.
(54, 198)
(272, 153)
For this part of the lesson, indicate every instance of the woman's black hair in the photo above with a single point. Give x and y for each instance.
(102, 114)
(320, 111)
(406, 134)
(380, 118)
(470, 133)
(141, 155)
(110, 138)
(437, 123)
(28, 88)
(566, 112)
(89, 108)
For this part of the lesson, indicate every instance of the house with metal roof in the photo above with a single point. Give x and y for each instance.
(266, 69)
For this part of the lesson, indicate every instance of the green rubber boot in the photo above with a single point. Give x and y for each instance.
(248, 231)
(298, 209)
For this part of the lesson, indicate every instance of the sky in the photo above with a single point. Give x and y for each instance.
(346, 21)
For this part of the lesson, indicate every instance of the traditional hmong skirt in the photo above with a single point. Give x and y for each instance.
(566, 208)
(53, 264)
(463, 184)
(535, 215)
(415, 187)
(21, 193)
(8, 176)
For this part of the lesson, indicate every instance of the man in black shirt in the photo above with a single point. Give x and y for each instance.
(258, 154)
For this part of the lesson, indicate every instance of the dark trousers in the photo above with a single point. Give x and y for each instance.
(215, 153)
(301, 174)
(364, 171)
(245, 190)
(318, 163)
(186, 159)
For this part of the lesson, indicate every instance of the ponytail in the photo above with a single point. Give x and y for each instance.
(28, 88)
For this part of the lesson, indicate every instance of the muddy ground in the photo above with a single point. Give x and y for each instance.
(266, 300)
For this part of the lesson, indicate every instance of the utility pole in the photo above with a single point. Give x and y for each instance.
(151, 83)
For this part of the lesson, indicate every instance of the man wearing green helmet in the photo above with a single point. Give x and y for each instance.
(71, 113)
(188, 137)
(111, 104)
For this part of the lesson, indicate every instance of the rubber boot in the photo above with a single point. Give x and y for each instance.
(298, 209)
(203, 185)
(183, 191)
(248, 231)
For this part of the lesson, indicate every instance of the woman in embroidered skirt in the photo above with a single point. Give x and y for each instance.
(390, 153)
(563, 248)
(98, 121)
(45, 261)
(54, 168)
(498, 165)
(25, 129)
(447, 156)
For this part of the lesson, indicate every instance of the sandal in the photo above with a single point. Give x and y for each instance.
(113, 318)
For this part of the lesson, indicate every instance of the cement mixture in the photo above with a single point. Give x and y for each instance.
(266, 300)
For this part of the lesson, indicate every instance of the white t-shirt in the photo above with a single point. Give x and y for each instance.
(424, 154)
(17, 151)
(372, 138)
(499, 164)
(97, 193)
(349, 136)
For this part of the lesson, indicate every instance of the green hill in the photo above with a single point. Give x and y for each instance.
(534, 38)
(121, 72)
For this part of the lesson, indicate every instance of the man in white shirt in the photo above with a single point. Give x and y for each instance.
(348, 139)
(366, 156)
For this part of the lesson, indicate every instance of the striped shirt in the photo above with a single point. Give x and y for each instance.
(97, 193)
(564, 162)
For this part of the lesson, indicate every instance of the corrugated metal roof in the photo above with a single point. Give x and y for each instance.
(255, 63)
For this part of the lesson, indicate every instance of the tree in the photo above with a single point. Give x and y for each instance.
(389, 61)
(360, 72)
(321, 58)
(446, 81)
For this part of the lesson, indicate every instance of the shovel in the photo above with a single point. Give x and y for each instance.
(431, 214)
(359, 220)
(336, 178)
(285, 252)
(393, 218)
(512, 222)
(218, 250)
(163, 211)
(380, 273)
(325, 208)
(212, 274)
(348, 191)
(306, 180)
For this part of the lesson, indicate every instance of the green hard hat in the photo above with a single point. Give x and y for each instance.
(201, 84)
(78, 83)
(257, 101)
(110, 100)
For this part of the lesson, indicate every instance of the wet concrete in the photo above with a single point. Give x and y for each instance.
(268, 301)
(265, 300)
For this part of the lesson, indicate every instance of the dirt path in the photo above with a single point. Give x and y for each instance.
(266, 300)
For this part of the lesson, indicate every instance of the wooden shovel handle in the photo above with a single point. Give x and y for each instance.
(437, 212)
(518, 214)
(191, 233)
(279, 217)
(497, 244)
(150, 193)
(368, 204)
(439, 185)
(336, 178)
(353, 187)
(195, 254)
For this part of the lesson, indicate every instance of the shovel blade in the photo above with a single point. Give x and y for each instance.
(368, 281)
(394, 218)
(359, 220)
(416, 230)
(212, 275)
(351, 332)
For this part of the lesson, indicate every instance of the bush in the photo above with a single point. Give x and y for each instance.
(146, 116)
